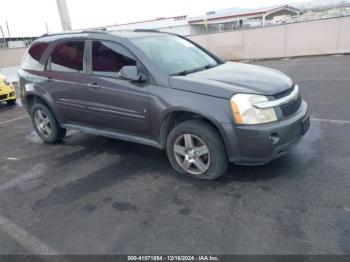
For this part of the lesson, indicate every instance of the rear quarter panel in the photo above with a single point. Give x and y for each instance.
(32, 83)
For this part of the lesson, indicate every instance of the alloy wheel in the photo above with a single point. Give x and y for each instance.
(42, 123)
(192, 154)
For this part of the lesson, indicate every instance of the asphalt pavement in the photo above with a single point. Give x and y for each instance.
(95, 195)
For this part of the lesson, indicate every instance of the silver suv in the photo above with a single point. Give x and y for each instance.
(165, 91)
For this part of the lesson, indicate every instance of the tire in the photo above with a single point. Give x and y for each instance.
(212, 165)
(11, 102)
(56, 133)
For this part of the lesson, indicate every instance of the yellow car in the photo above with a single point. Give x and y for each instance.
(7, 91)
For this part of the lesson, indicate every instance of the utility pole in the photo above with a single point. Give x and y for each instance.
(8, 30)
(64, 15)
(47, 28)
(3, 36)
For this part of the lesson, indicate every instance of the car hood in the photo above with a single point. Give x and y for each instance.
(230, 78)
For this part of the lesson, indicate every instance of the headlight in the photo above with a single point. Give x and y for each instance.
(245, 113)
(7, 82)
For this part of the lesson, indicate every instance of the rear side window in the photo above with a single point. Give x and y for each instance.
(33, 56)
(68, 57)
(108, 58)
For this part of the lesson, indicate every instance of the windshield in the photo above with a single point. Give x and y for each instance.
(174, 55)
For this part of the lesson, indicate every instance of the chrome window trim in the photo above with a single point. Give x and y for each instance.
(282, 101)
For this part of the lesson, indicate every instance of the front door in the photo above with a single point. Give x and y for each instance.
(114, 103)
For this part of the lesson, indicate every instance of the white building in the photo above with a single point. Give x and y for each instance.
(178, 25)
(216, 21)
(230, 19)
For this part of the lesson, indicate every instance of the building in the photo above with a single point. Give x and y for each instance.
(326, 11)
(215, 21)
(178, 25)
(231, 19)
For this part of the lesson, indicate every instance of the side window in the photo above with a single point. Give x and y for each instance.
(33, 56)
(108, 58)
(68, 57)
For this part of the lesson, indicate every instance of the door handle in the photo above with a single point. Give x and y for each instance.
(94, 85)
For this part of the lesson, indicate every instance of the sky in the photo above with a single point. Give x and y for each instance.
(29, 17)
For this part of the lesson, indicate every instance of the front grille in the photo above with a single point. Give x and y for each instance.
(293, 106)
(3, 97)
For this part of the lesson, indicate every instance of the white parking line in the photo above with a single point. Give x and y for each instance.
(12, 120)
(34, 173)
(333, 121)
(24, 238)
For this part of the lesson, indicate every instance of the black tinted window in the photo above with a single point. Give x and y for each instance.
(108, 58)
(68, 57)
(34, 54)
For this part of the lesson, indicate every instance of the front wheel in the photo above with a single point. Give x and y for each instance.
(195, 148)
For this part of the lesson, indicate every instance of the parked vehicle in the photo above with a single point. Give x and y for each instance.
(165, 91)
(7, 91)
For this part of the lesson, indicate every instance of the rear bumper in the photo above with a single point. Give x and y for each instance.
(260, 144)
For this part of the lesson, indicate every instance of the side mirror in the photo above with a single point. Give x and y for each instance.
(130, 73)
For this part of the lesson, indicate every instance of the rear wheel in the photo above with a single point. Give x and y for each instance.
(11, 102)
(45, 124)
(195, 148)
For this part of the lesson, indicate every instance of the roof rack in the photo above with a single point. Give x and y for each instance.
(101, 31)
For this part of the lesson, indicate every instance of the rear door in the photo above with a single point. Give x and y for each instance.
(66, 80)
(115, 103)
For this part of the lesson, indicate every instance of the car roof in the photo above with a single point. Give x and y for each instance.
(98, 34)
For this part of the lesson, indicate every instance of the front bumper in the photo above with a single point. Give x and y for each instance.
(7, 93)
(260, 144)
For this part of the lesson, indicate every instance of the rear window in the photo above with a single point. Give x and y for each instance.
(33, 56)
(68, 57)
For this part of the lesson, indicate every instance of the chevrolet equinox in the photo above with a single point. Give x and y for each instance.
(161, 90)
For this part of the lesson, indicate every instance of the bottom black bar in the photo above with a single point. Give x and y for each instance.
(174, 258)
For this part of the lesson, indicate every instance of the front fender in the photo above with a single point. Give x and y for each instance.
(208, 117)
(165, 101)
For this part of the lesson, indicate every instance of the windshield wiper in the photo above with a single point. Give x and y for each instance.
(190, 71)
